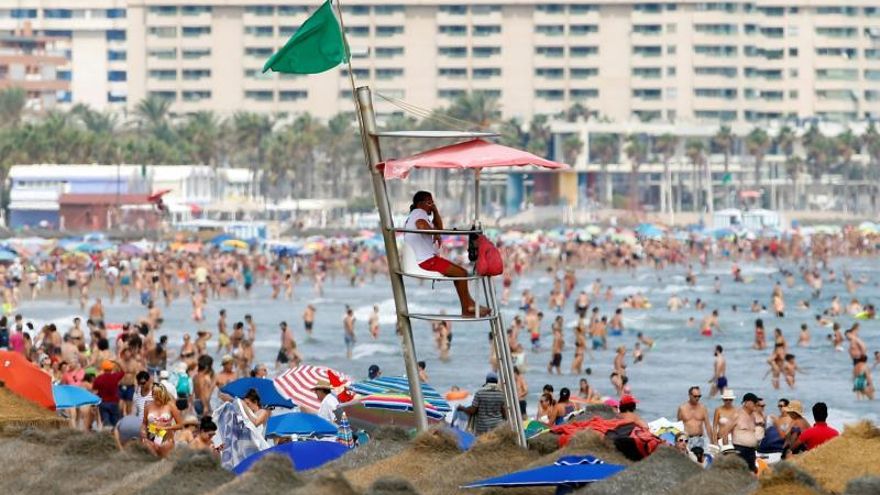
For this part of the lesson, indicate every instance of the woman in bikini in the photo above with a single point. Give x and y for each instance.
(161, 420)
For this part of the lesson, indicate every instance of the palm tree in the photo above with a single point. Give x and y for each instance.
(574, 113)
(606, 148)
(477, 108)
(665, 146)
(871, 145)
(695, 151)
(846, 144)
(250, 132)
(637, 152)
(793, 166)
(784, 142)
(152, 112)
(757, 144)
(202, 131)
(723, 142)
(12, 104)
(572, 147)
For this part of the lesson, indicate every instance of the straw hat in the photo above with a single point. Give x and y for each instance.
(322, 385)
(795, 407)
(728, 394)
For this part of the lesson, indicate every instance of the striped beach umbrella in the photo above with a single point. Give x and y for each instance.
(400, 385)
(296, 384)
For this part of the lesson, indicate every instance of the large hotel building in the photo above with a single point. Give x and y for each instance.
(626, 60)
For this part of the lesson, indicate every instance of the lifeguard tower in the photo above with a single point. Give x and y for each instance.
(472, 153)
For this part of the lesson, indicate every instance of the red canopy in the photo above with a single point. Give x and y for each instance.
(475, 153)
(24, 378)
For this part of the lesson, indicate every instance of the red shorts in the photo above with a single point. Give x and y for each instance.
(436, 264)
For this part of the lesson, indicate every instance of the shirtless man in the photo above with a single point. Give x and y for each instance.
(533, 326)
(558, 345)
(804, 338)
(223, 342)
(227, 372)
(251, 327)
(309, 319)
(719, 377)
(374, 323)
(284, 353)
(616, 323)
(695, 417)
(348, 327)
(154, 315)
(789, 369)
(203, 387)
(744, 430)
(709, 322)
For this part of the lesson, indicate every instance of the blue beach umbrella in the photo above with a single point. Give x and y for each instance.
(399, 384)
(269, 395)
(7, 255)
(299, 423)
(303, 455)
(219, 239)
(566, 474)
(70, 396)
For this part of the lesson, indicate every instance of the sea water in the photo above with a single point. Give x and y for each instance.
(681, 357)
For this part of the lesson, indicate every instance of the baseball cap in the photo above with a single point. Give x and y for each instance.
(750, 397)
(491, 377)
(628, 399)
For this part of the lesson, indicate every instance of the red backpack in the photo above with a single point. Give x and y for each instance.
(489, 262)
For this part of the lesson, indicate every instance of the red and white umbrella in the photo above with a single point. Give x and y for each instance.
(296, 384)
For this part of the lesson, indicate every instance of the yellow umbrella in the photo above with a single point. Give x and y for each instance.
(235, 243)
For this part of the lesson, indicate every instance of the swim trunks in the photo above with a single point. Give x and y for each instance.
(721, 384)
(557, 359)
(436, 264)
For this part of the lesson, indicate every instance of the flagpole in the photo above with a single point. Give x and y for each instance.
(350, 72)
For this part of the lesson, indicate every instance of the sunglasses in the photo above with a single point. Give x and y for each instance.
(696, 396)
(681, 440)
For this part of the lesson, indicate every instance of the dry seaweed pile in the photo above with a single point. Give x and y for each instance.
(729, 475)
(664, 469)
(17, 413)
(855, 453)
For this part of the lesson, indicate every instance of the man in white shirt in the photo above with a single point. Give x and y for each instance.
(329, 402)
(425, 247)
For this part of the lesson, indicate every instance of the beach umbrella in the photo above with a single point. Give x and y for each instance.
(269, 395)
(303, 455)
(387, 410)
(7, 255)
(24, 378)
(129, 249)
(70, 396)
(566, 474)
(397, 402)
(235, 244)
(400, 385)
(344, 434)
(296, 384)
(299, 423)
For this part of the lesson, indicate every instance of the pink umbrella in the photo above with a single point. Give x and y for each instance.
(475, 153)
(296, 384)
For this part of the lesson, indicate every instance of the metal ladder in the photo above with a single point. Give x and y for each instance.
(370, 137)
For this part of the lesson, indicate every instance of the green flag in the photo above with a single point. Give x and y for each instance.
(315, 47)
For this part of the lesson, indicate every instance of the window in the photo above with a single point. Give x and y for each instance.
(582, 29)
(580, 93)
(387, 9)
(115, 13)
(550, 8)
(583, 51)
(452, 51)
(872, 54)
(849, 53)
(647, 72)
(772, 32)
(258, 74)
(195, 31)
(793, 94)
(195, 74)
(670, 71)
(260, 10)
(648, 51)
(872, 11)
(164, 31)
(357, 30)
(287, 31)
(195, 54)
(358, 73)
(550, 29)
(716, 29)
(57, 13)
(550, 94)
(116, 55)
(452, 72)
(647, 115)
(198, 95)
(259, 95)
(384, 31)
(292, 10)
(872, 75)
(837, 74)
(716, 71)
(793, 73)
(116, 97)
(258, 52)
(583, 72)
(63, 75)
(486, 73)
(450, 93)
(190, 10)
(116, 76)
(388, 73)
(163, 74)
(792, 52)
(835, 10)
(23, 13)
(453, 30)
(722, 115)
(647, 94)
(167, 10)
(486, 30)
(726, 93)
(453, 9)
(258, 31)
(716, 50)
(767, 74)
(729, 7)
(293, 95)
(771, 11)
(550, 72)
(388, 51)
(836, 94)
(550, 51)
(648, 29)
(58, 33)
(671, 49)
(578, 9)
(115, 35)
(485, 51)
(872, 95)
(164, 54)
(648, 8)
(837, 32)
(485, 9)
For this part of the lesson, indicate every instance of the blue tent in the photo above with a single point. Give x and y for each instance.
(299, 423)
(303, 455)
(399, 384)
(269, 395)
(566, 474)
(69, 396)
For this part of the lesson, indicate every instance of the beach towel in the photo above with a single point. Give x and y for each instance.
(240, 438)
(632, 441)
